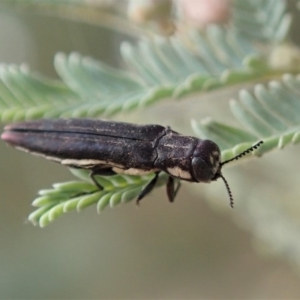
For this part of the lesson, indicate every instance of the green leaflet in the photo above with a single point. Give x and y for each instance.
(271, 114)
(265, 20)
(90, 88)
(77, 195)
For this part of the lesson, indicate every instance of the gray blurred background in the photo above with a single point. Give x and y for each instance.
(192, 249)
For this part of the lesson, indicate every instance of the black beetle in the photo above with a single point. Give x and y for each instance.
(107, 147)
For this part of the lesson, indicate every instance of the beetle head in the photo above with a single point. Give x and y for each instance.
(207, 165)
(206, 161)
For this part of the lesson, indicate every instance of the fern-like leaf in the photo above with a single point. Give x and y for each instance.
(24, 95)
(163, 68)
(265, 20)
(77, 195)
(270, 114)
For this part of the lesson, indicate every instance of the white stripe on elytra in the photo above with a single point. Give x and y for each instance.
(88, 162)
(179, 173)
(134, 171)
(53, 158)
(92, 162)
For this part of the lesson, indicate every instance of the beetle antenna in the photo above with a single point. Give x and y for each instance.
(229, 191)
(243, 153)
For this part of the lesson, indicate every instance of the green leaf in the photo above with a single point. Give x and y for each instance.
(271, 114)
(77, 195)
(162, 68)
(24, 95)
(265, 20)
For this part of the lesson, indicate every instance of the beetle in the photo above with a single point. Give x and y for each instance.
(107, 148)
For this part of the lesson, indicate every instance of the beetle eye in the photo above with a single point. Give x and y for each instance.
(201, 171)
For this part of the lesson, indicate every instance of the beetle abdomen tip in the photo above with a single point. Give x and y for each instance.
(11, 137)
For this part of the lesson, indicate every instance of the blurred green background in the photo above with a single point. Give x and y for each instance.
(192, 249)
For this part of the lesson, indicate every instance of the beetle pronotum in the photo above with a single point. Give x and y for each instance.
(107, 148)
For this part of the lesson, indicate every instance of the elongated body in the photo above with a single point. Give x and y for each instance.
(107, 148)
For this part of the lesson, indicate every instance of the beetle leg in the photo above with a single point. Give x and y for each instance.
(147, 189)
(92, 176)
(177, 188)
(104, 172)
(171, 190)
